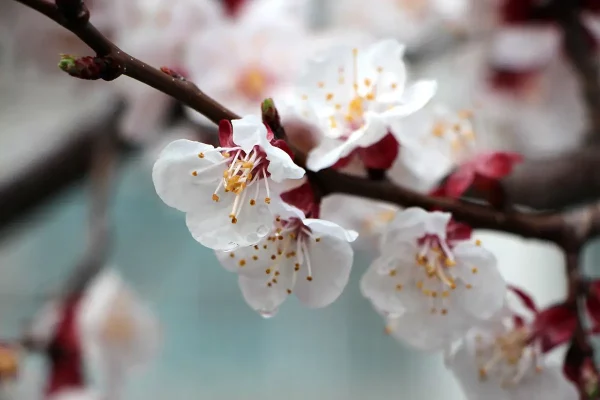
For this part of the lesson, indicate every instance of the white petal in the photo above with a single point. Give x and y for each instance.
(549, 383)
(326, 154)
(436, 223)
(387, 54)
(465, 369)
(413, 99)
(248, 132)
(488, 287)
(426, 331)
(262, 298)
(524, 47)
(409, 224)
(323, 227)
(381, 290)
(331, 261)
(281, 165)
(44, 323)
(251, 261)
(212, 227)
(173, 174)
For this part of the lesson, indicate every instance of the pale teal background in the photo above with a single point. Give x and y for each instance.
(215, 346)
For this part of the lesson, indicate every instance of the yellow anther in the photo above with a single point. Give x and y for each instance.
(234, 220)
(399, 287)
(195, 173)
(380, 69)
(469, 286)
(329, 96)
(478, 242)
(309, 278)
(321, 84)
(419, 285)
(268, 271)
(394, 86)
(268, 200)
(393, 272)
(231, 255)
(367, 82)
(289, 291)
(444, 311)
(201, 155)
(252, 202)
(215, 197)
(370, 96)
(242, 263)
(255, 258)
(449, 263)
(304, 97)
(296, 267)
(445, 293)
(474, 270)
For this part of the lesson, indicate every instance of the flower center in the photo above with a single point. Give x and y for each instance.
(252, 83)
(458, 133)
(118, 326)
(243, 172)
(509, 357)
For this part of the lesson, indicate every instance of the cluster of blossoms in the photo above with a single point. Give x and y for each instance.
(433, 284)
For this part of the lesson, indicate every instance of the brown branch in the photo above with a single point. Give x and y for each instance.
(576, 299)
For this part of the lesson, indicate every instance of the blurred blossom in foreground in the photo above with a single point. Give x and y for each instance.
(242, 60)
(502, 360)
(414, 22)
(156, 31)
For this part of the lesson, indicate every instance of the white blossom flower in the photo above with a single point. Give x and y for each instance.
(433, 279)
(500, 362)
(118, 330)
(354, 95)
(433, 141)
(239, 62)
(309, 257)
(225, 191)
(414, 22)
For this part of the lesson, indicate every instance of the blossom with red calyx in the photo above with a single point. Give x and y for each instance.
(433, 281)
(226, 191)
(309, 257)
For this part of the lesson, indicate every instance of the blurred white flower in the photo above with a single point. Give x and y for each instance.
(240, 62)
(225, 191)
(367, 217)
(117, 328)
(309, 257)
(500, 362)
(413, 22)
(432, 279)
(354, 96)
(433, 141)
(155, 31)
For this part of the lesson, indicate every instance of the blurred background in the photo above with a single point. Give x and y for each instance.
(521, 89)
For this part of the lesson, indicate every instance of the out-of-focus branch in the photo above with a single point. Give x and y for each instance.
(96, 253)
(556, 182)
(576, 299)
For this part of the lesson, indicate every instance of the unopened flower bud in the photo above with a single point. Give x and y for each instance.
(89, 68)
